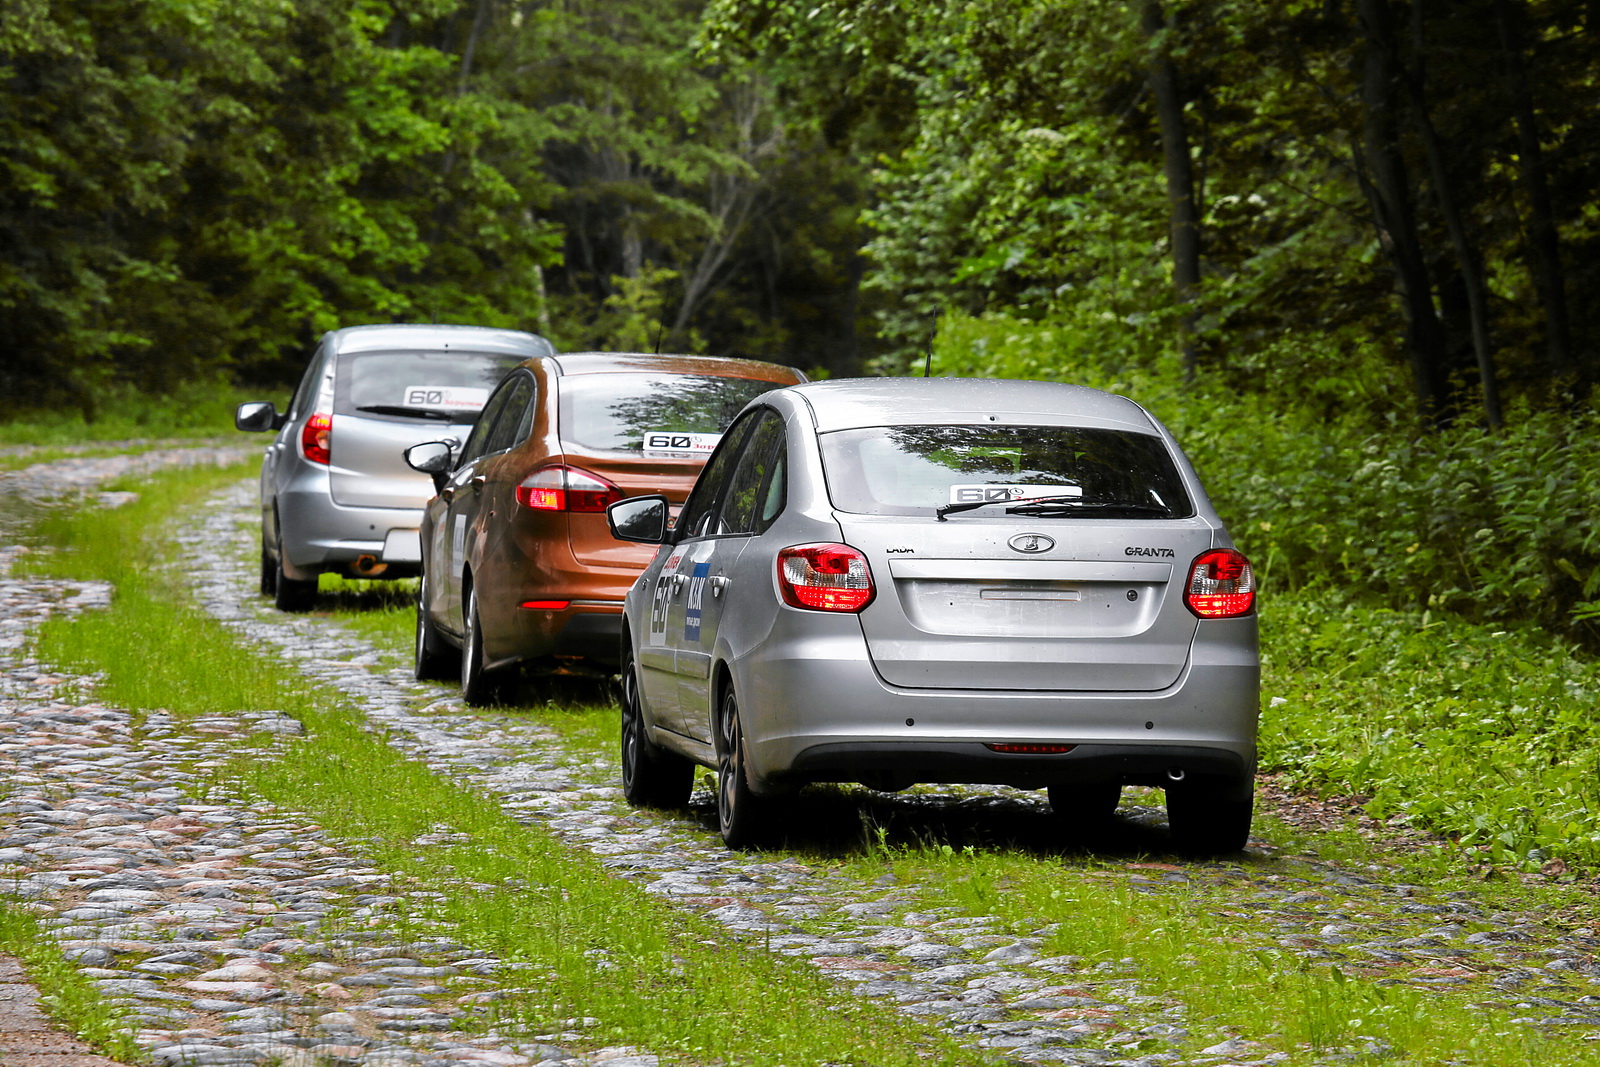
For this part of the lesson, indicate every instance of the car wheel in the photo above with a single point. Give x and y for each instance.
(290, 594)
(269, 573)
(652, 777)
(1209, 818)
(434, 660)
(741, 815)
(478, 686)
(1085, 802)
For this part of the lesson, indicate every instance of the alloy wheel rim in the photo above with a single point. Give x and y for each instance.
(727, 767)
(471, 672)
(631, 728)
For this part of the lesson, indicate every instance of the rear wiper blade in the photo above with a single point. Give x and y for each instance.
(1061, 507)
(950, 509)
(415, 413)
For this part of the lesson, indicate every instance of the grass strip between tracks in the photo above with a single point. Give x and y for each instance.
(591, 944)
(64, 993)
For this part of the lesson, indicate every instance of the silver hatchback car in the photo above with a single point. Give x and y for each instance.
(894, 581)
(336, 493)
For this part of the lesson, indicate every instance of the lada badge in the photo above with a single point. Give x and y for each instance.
(1032, 542)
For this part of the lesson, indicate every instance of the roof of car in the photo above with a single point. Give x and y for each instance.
(719, 366)
(414, 335)
(845, 403)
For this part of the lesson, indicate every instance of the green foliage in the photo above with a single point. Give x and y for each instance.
(1486, 737)
(186, 194)
(1492, 527)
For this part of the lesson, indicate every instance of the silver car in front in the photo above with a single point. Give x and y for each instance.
(336, 492)
(899, 581)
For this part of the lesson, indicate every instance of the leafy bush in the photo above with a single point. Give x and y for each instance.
(1487, 737)
(1497, 528)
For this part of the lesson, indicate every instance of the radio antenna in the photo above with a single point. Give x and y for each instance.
(659, 324)
(927, 360)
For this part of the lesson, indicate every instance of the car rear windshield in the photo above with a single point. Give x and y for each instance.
(439, 386)
(912, 470)
(652, 414)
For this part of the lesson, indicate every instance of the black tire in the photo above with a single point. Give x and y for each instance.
(269, 572)
(1085, 802)
(290, 594)
(479, 687)
(741, 815)
(435, 660)
(1210, 818)
(652, 777)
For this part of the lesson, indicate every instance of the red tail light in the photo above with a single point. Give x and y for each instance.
(562, 488)
(314, 438)
(1029, 750)
(1222, 585)
(825, 577)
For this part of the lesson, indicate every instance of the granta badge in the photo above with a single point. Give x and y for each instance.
(1032, 542)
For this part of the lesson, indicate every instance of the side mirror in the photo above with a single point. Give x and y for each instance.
(433, 458)
(639, 518)
(256, 417)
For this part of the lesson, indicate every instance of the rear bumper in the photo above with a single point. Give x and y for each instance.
(897, 764)
(815, 710)
(589, 630)
(319, 535)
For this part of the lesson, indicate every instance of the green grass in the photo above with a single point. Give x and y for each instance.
(1201, 949)
(64, 993)
(593, 944)
(1487, 737)
(202, 409)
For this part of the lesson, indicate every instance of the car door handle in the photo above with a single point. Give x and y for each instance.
(447, 492)
(718, 584)
(478, 480)
(677, 582)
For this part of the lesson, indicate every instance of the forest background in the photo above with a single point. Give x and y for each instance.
(1345, 248)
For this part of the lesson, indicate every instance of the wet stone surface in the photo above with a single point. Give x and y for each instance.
(237, 933)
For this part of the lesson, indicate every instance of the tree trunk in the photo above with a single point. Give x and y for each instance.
(480, 19)
(1466, 253)
(1389, 194)
(1182, 213)
(1544, 245)
(732, 198)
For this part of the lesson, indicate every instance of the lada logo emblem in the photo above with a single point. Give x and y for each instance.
(1032, 542)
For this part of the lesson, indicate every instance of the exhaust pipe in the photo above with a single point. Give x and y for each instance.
(1175, 774)
(368, 566)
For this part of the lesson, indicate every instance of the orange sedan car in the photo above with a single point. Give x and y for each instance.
(518, 564)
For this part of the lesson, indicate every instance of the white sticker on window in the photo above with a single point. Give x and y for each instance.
(984, 494)
(673, 443)
(446, 397)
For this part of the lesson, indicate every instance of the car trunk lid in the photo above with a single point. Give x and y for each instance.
(367, 465)
(1028, 603)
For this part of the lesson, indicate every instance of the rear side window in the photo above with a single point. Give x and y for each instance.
(504, 433)
(911, 470)
(439, 386)
(652, 414)
(755, 489)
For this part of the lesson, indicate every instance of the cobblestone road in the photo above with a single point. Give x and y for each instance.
(210, 918)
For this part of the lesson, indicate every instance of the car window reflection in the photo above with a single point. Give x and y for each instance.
(897, 470)
(614, 412)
